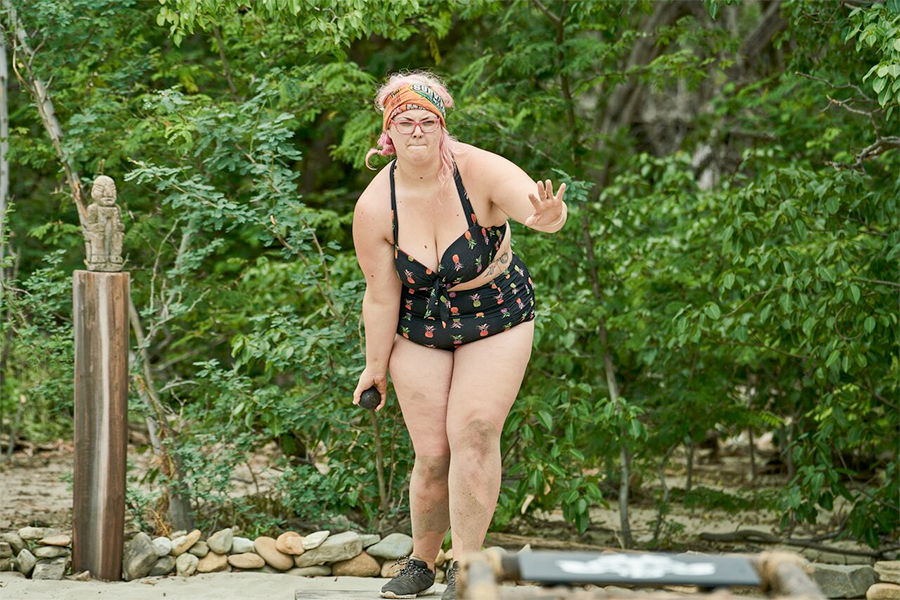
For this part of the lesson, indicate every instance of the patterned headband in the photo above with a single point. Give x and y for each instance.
(410, 97)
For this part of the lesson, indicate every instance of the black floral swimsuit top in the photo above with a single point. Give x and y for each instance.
(463, 260)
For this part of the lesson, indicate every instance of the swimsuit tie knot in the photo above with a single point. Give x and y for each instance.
(438, 302)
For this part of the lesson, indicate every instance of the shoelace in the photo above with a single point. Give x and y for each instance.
(451, 575)
(407, 566)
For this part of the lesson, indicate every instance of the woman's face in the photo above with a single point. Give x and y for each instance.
(411, 140)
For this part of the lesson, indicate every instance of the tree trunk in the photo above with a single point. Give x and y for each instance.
(44, 103)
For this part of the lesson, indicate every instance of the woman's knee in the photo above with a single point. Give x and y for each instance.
(478, 438)
(432, 469)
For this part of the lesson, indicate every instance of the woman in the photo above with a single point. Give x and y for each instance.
(448, 309)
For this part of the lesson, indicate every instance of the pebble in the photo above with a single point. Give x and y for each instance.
(394, 546)
(50, 552)
(140, 556)
(51, 571)
(221, 541)
(265, 547)
(56, 540)
(163, 566)
(15, 542)
(31, 534)
(212, 563)
(441, 558)
(10, 575)
(290, 542)
(361, 565)
(247, 560)
(888, 570)
(183, 543)
(200, 549)
(314, 540)
(5, 550)
(883, 591)
(25, 561)
(241, 545)
(186, 565)
(163, 546)
(342, 546)
(315, 571)
(177, 534)
(370, 539)
(843, 581)
(83, 576)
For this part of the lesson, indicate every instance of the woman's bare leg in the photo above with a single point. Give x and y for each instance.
(487, 375)
(421, 378)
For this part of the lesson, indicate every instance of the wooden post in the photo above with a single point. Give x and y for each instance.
(101, 401)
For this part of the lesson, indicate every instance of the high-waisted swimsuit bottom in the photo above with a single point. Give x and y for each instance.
(432, 315)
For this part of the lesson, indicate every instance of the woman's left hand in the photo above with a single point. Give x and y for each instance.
(547, 206)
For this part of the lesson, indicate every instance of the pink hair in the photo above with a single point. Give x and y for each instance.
(447, 141)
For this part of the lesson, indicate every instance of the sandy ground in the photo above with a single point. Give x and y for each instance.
(212, 586)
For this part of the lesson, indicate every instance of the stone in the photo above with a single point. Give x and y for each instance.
(241, 545)
(163, 566)
(247, 560)
(843, 581)
(15, 542)
(268, 570)
(526, 548)
(186, 565)
(200, 549)
(183, 543)
(448, 556)
(290, 542)
(265, 547)
(394, 546)
(5, 550)
(177, 534)
(342, 546)
(390, 569)
(51, 552)
(7, 564)
(140, 556)
(441, 558)
(888, 570)
(47, 570)
(883, 591)
(6, 576)
(314, 540)
(440, 576)
(31, 534)
(316, 571)
(370, 539)
(56, 540)
(212, 563)
(83, 576)
(25, 561)
(220, 542)
(163, 546)
(361, 565)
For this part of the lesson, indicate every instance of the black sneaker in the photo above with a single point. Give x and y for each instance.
(415, 579)
(450, 590)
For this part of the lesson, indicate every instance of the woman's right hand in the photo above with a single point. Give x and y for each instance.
(366, 380)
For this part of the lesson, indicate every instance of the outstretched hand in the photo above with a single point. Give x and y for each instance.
(547, 206)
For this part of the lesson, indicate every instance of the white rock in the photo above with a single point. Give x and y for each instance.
(314, 540)
(241, 545)
(163, 546)
(25, 561)
(342, 546)
(888, 570)
(199, 549)
(394, 546)
(32, 534)
(883, 591)
(220, 542)
(50, 552)
(186, 565)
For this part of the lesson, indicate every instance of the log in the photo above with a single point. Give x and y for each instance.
(101, 400)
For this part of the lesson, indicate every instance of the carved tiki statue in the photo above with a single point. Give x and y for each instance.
(104, 227)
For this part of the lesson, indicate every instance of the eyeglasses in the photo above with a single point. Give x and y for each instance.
(407, 127)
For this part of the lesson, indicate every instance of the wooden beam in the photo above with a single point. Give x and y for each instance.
(101, 401)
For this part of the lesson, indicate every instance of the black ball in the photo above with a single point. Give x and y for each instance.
(370, 398)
